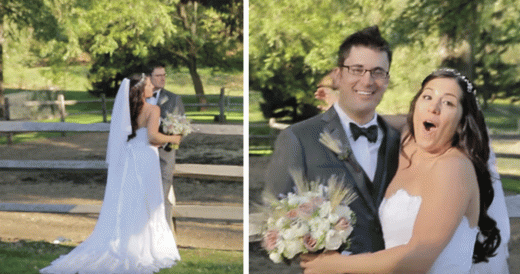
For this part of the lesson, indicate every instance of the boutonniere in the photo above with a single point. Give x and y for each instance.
(335, 146)
(163, 100)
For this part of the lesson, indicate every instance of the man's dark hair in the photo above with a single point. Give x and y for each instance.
(153, 65)
(369, 37)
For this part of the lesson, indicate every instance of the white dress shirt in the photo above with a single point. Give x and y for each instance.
(153, 100)
(365, 152)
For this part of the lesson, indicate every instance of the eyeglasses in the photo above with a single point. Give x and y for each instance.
(377, 73)
(159, 75)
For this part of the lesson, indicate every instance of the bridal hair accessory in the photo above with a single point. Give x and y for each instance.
(469, 85)
(143, 78)
(316, 217)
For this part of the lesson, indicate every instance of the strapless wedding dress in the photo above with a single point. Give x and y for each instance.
(398, 214)
(131, 235)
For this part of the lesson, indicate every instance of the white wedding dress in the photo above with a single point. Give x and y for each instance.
(131, 235)
(398, 214)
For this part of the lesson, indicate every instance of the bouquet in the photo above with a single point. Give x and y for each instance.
(175, 124)
(313, 219)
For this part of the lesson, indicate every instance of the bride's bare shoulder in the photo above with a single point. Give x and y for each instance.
(456, 165)
(149, 109)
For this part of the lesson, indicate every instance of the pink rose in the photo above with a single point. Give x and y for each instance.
(292, 214)
(342, 224)
(317, 201)
(270, 240)
(306, 209)
(309, 242)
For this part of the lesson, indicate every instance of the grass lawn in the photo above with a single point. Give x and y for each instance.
(27, 257)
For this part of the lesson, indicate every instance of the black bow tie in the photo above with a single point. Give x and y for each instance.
(155, 94)
(370, 132)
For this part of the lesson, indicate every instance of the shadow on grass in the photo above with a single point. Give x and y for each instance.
(29, 256)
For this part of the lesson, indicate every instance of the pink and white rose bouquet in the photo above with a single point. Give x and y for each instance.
(175, 124)
(314, 218)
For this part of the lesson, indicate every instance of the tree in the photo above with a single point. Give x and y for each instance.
(475, 37)
(208, 32)
(120, 42)
(34, 14)
(293, 44)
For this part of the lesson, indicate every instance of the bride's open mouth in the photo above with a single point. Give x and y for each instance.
(429, 126)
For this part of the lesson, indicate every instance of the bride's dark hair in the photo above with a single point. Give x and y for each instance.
(135, 95)
(472, 139)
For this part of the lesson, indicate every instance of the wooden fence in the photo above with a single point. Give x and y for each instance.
(224, 105)
(214, 172)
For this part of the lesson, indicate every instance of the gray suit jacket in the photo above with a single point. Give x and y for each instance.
(298, 147)
(168, 102)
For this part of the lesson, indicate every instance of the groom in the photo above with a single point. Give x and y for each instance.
(168, 102)
(370, 146)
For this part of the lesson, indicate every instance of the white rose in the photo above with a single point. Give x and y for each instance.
(294, 199)
(322, 226)
(343, 211)
(333, 218)
(292, 248)
(333, 240)
(296, 230)
(280, 223)
(325, 209)
(345, 233)
(276, 257)
(301, 228)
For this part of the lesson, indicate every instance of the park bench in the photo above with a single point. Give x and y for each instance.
(195, 171)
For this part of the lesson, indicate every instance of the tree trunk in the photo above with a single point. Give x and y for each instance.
(197, 82)
(190, 24)
(2, 67)
(472, 32)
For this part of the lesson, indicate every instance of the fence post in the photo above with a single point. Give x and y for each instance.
(221, 103)
(104, 107)
(61, 107)
(7, 118)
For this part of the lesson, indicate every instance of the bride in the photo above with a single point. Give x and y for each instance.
(434, 215)
(131, 235)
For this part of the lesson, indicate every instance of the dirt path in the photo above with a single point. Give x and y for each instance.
(88, 188)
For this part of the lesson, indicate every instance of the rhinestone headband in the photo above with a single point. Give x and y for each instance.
(143, 77)
(459, 75)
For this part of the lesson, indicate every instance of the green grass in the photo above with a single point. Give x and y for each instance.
(179, 81)
(511, 185)
(27, 257)
(19, 77)
(75, 78)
